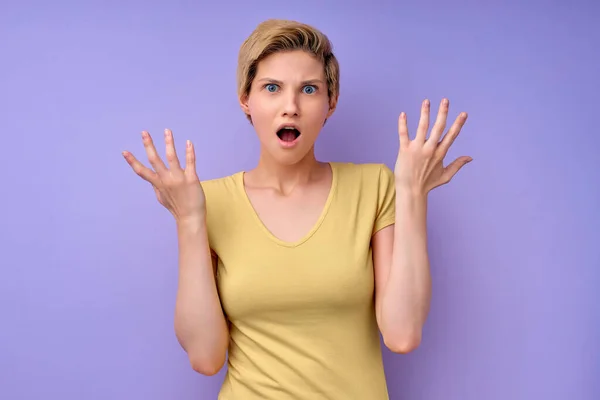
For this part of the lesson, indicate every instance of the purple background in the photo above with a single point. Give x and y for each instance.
(89, 257)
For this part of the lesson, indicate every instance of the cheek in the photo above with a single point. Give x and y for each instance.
(259, 110)
(261, 115)
(258, 104)
(319, 113)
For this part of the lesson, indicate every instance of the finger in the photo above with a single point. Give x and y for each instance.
(403, 130)
(144, 172)
(423, 122)
(190, 159)
(440, 123)
(452, 133)
(171, 153)
(453, 168)
(153, 156)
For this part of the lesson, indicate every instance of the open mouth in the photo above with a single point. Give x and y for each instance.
(288, 134)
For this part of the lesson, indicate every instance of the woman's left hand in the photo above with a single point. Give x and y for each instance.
(419, 167)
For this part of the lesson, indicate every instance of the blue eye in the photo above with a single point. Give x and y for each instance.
(271, 87)
(309, 89)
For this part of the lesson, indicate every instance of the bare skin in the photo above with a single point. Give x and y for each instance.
(200, 325)
(289, 187)
(307, 201)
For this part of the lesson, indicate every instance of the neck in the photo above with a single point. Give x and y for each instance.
(285, 177)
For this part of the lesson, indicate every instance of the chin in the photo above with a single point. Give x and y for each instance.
(288, 156)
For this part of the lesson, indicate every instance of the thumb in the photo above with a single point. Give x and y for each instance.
(455, 166)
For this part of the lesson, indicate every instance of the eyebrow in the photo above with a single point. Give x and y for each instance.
(307, 82)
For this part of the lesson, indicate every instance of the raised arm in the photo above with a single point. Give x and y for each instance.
(200, 325)
(400, 254)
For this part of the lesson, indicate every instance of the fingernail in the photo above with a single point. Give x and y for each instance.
(188, 143)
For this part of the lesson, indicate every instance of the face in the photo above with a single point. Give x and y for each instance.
(289, 91)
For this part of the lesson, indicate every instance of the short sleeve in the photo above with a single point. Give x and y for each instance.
(386, 199)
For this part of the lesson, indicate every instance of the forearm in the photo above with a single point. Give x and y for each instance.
(200, 325)
(406, 299)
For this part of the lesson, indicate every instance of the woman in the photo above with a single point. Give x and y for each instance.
(295, 267)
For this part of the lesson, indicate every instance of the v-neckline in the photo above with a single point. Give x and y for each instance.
(315, 227)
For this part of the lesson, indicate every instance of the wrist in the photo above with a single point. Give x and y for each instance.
(192, 222)
(411, 191)
(411, 203)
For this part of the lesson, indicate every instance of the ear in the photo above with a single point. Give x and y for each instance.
(244, 104)
(332, 107)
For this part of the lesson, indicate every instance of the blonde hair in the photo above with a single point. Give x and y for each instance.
(277, 35)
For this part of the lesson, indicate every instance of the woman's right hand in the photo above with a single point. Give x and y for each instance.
(178, 190)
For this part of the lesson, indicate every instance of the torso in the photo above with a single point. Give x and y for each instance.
(298, 287)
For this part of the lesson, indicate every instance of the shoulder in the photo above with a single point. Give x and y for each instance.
(362, 168)
(223, 199)
(371, 188)
(221, 192)
(365, 175)
(217, 189)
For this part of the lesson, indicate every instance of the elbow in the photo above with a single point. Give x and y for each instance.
(207, 367)
(402, 344)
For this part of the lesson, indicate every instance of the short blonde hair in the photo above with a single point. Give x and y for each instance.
(277, 35)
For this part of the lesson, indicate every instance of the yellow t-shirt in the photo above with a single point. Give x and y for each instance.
(302, 315)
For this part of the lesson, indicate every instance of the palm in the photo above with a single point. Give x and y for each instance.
(177, 189)
(420, 163)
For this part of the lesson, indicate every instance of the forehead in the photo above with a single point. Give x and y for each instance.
(290, 65)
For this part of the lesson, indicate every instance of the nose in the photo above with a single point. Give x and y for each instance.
(291, 106)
